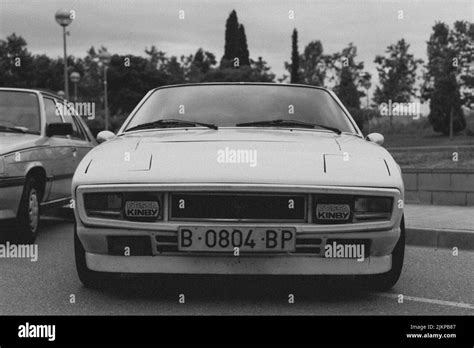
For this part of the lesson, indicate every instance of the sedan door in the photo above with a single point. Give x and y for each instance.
(60, 160)
(80, 139)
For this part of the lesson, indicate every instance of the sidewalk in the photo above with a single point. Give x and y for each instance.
(440, 226)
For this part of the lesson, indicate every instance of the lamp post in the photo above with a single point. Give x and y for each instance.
(75, 77)
(64, 18)
(105, 58)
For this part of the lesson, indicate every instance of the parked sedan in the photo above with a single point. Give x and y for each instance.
(239, 178)
(42, 141)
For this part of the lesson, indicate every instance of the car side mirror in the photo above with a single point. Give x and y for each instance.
(104, 136)
(59, 128)
(375, 138)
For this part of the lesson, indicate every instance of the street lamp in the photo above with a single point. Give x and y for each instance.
(105, 58)
(75, 77)
(64, 18)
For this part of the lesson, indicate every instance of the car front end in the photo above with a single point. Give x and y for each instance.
(297, 202)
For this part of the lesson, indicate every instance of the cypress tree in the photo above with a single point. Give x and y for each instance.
(295, 58)
(242, 50)
(231, 38)
(235, 43)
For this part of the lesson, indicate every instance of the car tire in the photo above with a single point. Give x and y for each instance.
(88, 277)
(385, 281)
(28, 216)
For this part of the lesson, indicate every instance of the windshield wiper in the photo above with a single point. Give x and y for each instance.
(170, 123)
(14, 129)
(287, 123)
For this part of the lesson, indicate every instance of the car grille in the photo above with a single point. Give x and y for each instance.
(238, 207)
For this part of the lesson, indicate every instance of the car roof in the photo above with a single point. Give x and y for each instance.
(36, 91)
(242, 84)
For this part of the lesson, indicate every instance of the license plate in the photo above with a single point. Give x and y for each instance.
(225, 239)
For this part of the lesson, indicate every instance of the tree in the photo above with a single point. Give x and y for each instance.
(231, 36)
(261, 71)
(295, 58)
(16, 63)
(463, 43)
(258, 71)
(242, 50)
(441, 86)
(446, 114)
(312, 64)
(235, 43)
(346, 74)
(397, 75)
(347, 90)
(340, 60)
(157, 58)
(197, 66)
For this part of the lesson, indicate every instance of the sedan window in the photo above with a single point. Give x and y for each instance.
(19, 111)
(52, 112)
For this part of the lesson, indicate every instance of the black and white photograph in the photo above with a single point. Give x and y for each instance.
(216, 165)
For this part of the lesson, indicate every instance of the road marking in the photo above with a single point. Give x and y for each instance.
(428, 300)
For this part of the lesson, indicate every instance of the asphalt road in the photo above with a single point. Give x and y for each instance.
(434, 282)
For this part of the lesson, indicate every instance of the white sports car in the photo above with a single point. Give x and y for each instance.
(239, 178)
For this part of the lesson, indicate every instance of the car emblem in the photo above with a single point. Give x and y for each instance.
(142, 209)
(333, 212)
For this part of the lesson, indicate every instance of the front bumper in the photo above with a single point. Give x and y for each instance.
(94, 240)
(93, 233)
(242, 265)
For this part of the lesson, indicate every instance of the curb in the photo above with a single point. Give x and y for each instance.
(440, 238)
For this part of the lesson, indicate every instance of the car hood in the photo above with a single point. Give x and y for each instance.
(10, 142)
(298, 157)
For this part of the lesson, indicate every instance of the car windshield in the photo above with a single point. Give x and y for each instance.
(19, 112)
(235, 105)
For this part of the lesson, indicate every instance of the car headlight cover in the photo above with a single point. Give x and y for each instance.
(372, 208)
(337, 209)
(134, 206)
(373, 204)
(103, 204)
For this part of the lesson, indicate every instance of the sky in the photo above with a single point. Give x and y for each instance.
(127, 27)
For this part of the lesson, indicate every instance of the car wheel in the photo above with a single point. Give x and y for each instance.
(385, 281)
(88, 277)
(28, 216)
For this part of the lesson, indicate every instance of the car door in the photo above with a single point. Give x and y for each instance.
(60, 156)
(80, 140)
